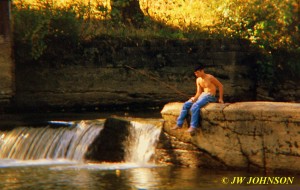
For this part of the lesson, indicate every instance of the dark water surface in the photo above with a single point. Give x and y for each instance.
(37, 119)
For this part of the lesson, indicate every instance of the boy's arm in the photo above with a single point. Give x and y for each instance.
(198, 92)
(220, 87)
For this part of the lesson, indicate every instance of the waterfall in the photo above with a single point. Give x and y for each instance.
(76, 140)
(141, 142)
(28, 143)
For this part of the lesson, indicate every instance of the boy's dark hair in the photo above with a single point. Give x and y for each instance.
(199, 67)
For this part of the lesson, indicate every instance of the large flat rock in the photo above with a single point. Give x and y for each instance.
(262, 135)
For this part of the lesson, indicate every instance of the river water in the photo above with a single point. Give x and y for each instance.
(37, 159)
(123, 176)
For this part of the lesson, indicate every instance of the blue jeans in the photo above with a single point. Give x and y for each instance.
(195, 107)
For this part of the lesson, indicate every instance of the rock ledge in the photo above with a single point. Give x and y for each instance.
(260, 135)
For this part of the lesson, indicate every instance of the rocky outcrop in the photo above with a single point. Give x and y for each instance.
(246, 135)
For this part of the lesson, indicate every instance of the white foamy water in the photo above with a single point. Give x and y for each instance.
(8, 163)
(105, 166)
(66, 146)
(141, 142)
(28, 143)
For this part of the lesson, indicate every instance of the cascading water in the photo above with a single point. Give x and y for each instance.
(26, 143)
(141, 142)
(72, 143)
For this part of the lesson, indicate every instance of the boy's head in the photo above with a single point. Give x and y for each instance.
(199, 67)
(199, 70)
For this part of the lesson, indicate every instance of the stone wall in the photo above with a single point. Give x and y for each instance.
(104, 74)
(261, 136)
(287, 90)
(117, 73)
(6, 62)
(6, 72)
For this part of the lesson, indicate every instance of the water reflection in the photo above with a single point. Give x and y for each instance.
(144, 178)
(115, 176)
(119, 175)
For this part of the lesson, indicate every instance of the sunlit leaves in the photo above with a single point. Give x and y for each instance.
(272, 24)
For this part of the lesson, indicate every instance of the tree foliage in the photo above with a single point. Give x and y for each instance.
(271, 24)
(36, 30)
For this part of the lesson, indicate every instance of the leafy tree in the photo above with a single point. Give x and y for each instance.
(270, 24)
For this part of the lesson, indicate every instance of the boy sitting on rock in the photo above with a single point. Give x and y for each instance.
(206, 92)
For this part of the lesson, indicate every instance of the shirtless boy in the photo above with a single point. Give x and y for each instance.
(206, 92)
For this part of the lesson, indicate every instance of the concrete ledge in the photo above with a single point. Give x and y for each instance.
(253, 135)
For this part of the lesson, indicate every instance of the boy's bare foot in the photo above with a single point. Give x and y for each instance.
(175, 127)
(192, 130)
